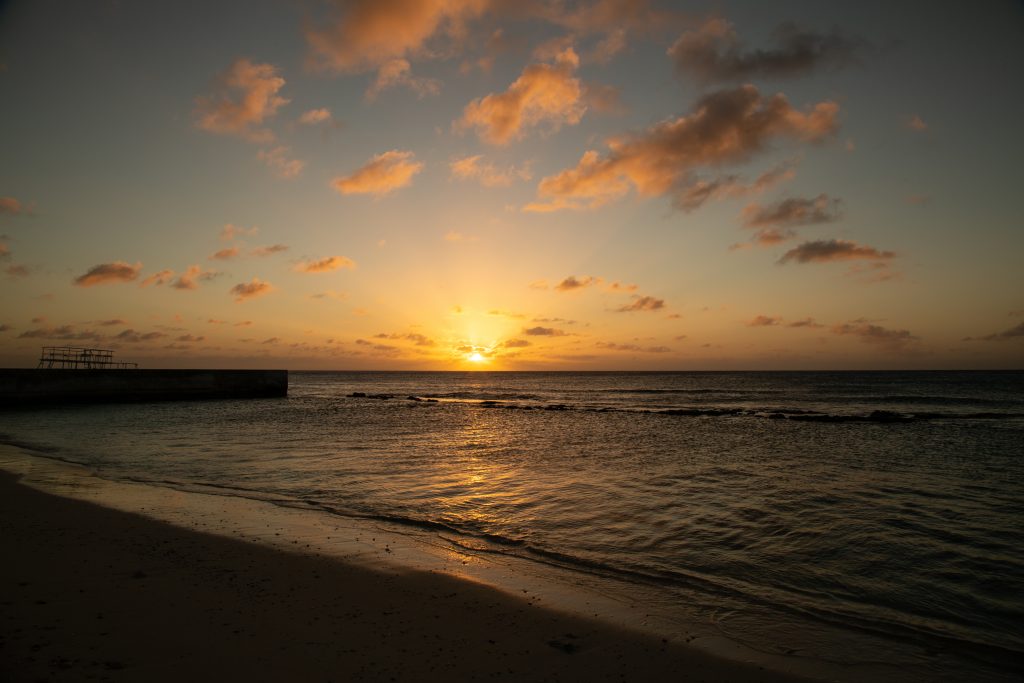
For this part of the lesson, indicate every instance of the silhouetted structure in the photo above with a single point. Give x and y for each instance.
(80, 358)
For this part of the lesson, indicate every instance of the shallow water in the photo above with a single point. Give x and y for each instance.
(848, 517)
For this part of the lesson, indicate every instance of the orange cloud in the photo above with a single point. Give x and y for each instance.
(543, 332)
(894, 340)
(383, 174)
(916, 123)
(765, 321)
(187, 280)
(249, 290)
(543, 93)
(824, 251)
(230, 232)
(696, 193)
(611, 346)
(398, 72)
(326, 265)
(728, 126)
(64, 332)
(277, 159)
(11, 206)
(414, 337)
(471, 168)
(792, 212)
(269, 250)
(315, 116)
(364, 34)
(118, 271)
(132, 337)
(642, 303)
(573, 283)
(159, 278)
(224, 254)
(714, 53)
(246, 96)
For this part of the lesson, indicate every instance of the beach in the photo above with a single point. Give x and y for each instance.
(101, 594)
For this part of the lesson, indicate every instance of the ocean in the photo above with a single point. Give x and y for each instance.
(847, 517)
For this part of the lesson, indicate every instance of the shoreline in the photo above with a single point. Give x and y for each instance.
(90, 590)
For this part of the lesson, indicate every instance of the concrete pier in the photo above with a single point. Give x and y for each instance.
(43, 386)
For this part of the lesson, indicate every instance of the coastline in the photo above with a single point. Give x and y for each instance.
(94, 591)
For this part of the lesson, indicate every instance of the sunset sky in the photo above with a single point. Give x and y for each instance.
(520, 185)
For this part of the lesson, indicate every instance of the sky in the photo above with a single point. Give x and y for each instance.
(513, 185)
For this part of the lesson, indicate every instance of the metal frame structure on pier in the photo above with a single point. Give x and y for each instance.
(81, 358)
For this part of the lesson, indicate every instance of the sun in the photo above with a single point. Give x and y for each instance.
(476, 357)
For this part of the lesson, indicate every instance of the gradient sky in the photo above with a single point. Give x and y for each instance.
(457, 184)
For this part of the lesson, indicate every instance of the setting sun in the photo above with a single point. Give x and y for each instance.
(475, 357)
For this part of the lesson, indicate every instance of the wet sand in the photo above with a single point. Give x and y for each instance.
(93, 593)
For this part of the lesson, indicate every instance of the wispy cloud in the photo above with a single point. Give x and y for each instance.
(315, 116)
(325, 265)
(1014, 333)
(713, 53)
(383, 174)
(62, 332)
(728, 126)
(572, 283)
(269, 250)
(917, 124)
(249, 290)
(224, 254)
(105, 273)
(398, 73)
(765, 321)
(187, 280)
(245, 97)
(611, 346)
(159, 278)
(416, 338)
(487, 174)
(543, 94)
(792, 212)
(642, 303)
(824, 251)
(277, 160)
(696, 193)
(893, 340)
(11, 206)
(231, 232)
(543, 332)
(130, 336)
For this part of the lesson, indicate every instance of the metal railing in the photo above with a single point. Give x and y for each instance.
(80, 358)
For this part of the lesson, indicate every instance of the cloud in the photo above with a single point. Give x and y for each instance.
(488, 175)
(824, 251)
(112, 322)
(793, 212)
(246, 96)
(17, 270)
(573, 283)
(543, 94)
(5, 251)
(63, 332)
(5, 328)
(728, 126)
(1015, 332)
(694, 194)
(916, 123)
(415, 338)
(453, 236)
(330, 294)
(806, 322)
(187, 280)
(505, 314)
(277, 160)
(642, 303)
(398, 72)
(249, 290)
(362, 35)
(160, 278)
(118, 271)
(894, 340)
(515, 344)
(620, 287)
(230, 232)
(713, 53)
(269, 250)
(765, 321)
(383, 174)
(132, 337)
(315, 116)
(326, 265)
(543, 332)
(11, 206)
(189, 338)
(611, 346)
(224, 254)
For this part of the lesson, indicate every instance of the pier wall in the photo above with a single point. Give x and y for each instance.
(30, 386)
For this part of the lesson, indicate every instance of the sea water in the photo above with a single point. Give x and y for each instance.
(850, 517)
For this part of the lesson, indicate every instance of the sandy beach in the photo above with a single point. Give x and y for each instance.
(94, 593)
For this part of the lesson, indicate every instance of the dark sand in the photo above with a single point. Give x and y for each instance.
(90, 593)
